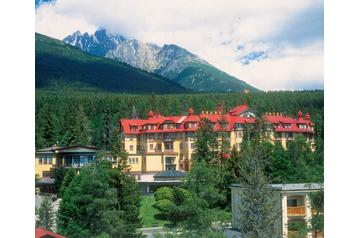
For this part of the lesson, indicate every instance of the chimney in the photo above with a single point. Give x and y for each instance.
(150, 114)
(299, 114)
(220, 108)
(190, 111)
(307, 117)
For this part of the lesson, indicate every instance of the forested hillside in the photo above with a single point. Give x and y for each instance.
(63, 67)
(92, 118)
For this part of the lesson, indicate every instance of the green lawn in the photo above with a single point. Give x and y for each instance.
(150, 215)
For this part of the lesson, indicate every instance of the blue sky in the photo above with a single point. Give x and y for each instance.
(271, 44)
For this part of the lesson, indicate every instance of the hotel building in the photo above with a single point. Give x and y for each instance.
(161, 143)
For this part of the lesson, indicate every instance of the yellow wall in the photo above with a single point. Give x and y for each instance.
(39, 168)
(135, 167)
(130, 140)
(152, 160)
(154, 163)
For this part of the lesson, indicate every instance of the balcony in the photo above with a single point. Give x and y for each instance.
(296, 211)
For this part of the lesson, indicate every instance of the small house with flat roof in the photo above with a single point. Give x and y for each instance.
(68, 156)
(292, 199)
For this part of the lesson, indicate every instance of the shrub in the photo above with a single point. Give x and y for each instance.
(165, 206)
(180, 195)
(164, 193)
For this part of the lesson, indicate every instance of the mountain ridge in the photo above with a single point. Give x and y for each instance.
(170, 60)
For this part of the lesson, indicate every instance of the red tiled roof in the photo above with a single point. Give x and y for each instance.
(40, 232)
(231, 118)
(238, 109)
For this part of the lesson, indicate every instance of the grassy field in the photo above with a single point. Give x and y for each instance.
(150, 215)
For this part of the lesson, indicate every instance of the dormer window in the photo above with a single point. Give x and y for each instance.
(302, 126)
(287, 125)
(239, 125)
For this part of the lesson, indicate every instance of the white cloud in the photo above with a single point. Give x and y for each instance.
(210, 29)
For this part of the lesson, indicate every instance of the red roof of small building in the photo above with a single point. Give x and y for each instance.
(225, 155)
(40, 233)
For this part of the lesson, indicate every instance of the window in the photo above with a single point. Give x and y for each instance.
(151, 147)
(131, 148)
(238, 125)
(159, 146)
(40, 160)
(169, 160)
(192, 145)
(46, 174)
(150, 136)
(168, 145)
(292, 203)
(181, 145)
(239, 134)
(169, 163)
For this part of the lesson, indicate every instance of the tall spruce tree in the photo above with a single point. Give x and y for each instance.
(70, 175)
(100, 201)
(317, 206)
(107, 128)
(134, 114)
(45, 216)
(118, 152)
(258, 204)
(75, 125)
(206, 143)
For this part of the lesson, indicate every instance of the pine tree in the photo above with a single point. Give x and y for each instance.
(75, 126)
(45, 215)
(70, 175)
(128, 197)
(107, 130)
(206, 143)
(119, 154)
(317, 206)
(134, 114)
(258, 205)
(100, 201)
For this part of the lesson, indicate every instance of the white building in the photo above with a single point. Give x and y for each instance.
(292, 199)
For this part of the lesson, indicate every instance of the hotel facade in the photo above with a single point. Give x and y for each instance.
(161, 143)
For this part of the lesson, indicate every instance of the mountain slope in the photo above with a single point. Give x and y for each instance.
(61, 66)
(170, 61)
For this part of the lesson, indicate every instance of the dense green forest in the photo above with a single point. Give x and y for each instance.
(62, 66)
(92, 118)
